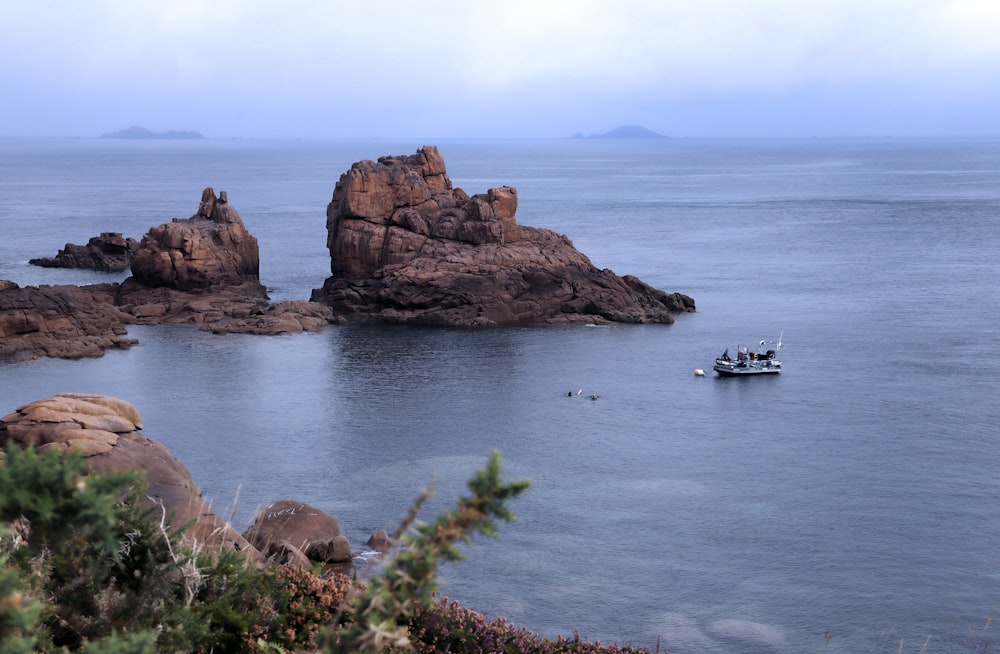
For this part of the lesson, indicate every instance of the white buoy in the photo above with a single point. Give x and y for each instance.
(698, 372)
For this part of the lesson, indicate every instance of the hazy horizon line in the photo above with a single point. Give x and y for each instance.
(485, 137)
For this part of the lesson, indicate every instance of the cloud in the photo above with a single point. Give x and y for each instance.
(528, 67)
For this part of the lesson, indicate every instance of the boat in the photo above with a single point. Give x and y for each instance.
(761, 361)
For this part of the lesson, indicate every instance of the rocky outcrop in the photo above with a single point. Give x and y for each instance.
(202, 270)
(108, 252)
(160, 305)
(106, 431)
(380, 541)
(210, 249)
(288, 528)
(287, 317)
(205, 270)
(68, 322)
(407, 247)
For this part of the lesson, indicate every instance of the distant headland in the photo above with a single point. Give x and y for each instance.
(625, 132)
(143, 133)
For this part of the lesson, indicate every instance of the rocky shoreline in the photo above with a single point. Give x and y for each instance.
(110, 252)
(107, 432)
(203, 271)
(405, 247)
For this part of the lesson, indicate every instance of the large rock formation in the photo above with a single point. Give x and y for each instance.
(407, 247)
(210, 249)
(205, 269)
(108, 252)
(68, 322)
(201, 270)
(106, 431)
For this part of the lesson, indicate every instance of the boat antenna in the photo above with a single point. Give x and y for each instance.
(779, 338)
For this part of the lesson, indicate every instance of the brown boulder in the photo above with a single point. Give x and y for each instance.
(68, 322)
(200, 270)
(312, 531)
(380, 541)
(106, 431)
(209, 249)
(290, 555)
(406, 247)
(339, 550)
(109, 252)
(203, 270)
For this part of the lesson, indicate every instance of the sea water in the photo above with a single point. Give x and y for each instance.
(851, 503)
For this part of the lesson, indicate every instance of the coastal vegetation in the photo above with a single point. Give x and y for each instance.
(85, 567)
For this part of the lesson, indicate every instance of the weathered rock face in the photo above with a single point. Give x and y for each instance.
(160, 305)
(287, 317)
(67, 322)
(109, 252)
(106, 431)
(211, 248)
(200, 270)
(203, 270)
(292, 527)
(406, 247)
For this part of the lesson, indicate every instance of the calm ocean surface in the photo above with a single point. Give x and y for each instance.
(848, 505)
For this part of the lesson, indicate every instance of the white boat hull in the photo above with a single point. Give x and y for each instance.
(746, 368)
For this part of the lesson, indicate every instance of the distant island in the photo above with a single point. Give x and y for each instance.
(143, 133)
(625, 132)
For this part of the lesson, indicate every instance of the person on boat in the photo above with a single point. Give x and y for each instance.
(725, 355)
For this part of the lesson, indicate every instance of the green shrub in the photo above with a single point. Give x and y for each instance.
(83, 544)
(19, 613)
(52, 493)
(232, 606)
(382, 613)
(86, 566)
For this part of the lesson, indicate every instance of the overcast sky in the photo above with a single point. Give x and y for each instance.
(515, 68)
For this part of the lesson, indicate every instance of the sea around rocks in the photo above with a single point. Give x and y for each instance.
(203, 270)
(405, 247)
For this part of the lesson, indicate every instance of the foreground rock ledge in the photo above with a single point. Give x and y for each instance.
(407, 247)
(106, 431)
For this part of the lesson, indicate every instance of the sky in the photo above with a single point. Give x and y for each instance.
(501, 69)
